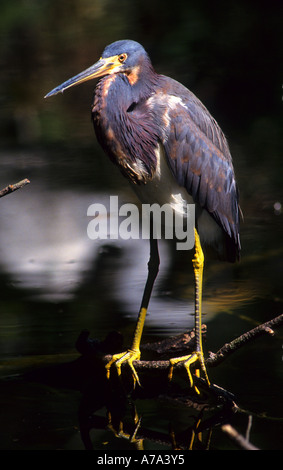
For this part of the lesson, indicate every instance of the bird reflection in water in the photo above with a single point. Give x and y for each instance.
(107, 406)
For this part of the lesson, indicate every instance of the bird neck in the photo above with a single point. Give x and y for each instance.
(143, 81)
(123, 125)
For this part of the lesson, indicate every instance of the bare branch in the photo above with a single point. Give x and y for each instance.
(240, 440)
(216, 358)
(185, 343)
(13, 187)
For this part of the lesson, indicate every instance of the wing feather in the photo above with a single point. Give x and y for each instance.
(199, 157)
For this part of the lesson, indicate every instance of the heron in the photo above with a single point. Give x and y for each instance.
(169, 147)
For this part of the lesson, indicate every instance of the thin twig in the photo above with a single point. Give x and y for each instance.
(13, 187)
(240, 440)
(216, 358)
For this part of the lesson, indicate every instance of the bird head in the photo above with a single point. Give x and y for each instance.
(123, 56)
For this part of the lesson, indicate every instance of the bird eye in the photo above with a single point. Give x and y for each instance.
(122, 58)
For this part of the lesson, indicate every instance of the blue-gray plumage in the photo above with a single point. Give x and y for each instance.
(136, 111)
(166, 143)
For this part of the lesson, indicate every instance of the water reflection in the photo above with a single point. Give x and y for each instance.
(47, 256)
(46, 253)
(45, 249)
(113, 414)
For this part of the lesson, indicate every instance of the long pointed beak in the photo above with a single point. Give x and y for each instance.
(100, 68)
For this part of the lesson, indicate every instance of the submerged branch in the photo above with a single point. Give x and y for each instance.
(13, 187)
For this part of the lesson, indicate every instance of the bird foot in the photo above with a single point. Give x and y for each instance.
(187, 361)
(120, 433)
(118, 359)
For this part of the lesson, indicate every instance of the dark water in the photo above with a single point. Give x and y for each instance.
(55, 281)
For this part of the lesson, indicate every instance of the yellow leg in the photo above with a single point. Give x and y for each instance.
(121, 434)
(197, 355)
(133, 354)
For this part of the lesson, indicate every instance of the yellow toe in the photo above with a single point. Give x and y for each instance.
(118, 359)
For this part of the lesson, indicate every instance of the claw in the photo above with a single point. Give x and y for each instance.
(120, 433)
(188, 361)
(118, 359)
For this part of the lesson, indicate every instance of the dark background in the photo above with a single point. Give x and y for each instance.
(54, 281)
